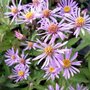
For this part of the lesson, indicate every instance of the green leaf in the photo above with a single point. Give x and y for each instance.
(87, 57)
(8, 41)
(10, 85)
(72, 41)
(82, 45)
(79, 78)
(85, 41)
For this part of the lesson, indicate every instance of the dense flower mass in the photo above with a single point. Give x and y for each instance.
(48, 40)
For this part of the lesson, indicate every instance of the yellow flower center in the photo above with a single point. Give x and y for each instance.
(30, 44)
(80, 21)
(46, 13)
(13, 57)
(20, 73)
(66, 63)
(22, 61)
(67, 9)
(29, 15)
(53, 28)
(14, 10)
(48, 50)
(51, 69)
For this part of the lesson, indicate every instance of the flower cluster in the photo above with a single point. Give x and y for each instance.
(53, 28)
(20, 63)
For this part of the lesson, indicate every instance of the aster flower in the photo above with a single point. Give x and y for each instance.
(78, 87)
(54, 30)
(50, 14)
(23, 60)
(29, 45)
(68, 63)
(19, 35)
(50, 87)
(39, 4)
(49, 52)
(15, 10)
(79, 22)
(67, 7)
(52, 71)
(27, 16)
(12, 57)
(20, 72)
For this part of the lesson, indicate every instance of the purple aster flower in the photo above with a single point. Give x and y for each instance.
(24, 60)
(78, 87)
(49, 52)
(12, 57)
(15, 10)
(79, 22)
(69, 64)
(67, 7)
(20, 72)
(50, 87)
(54, 30)
(29, 45)
(27, 16)
(52, 71)
(39, 4)
(47, 13)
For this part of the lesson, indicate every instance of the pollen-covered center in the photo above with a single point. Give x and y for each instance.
(51, 69)
(46, 13)
(30, 44)
(48, 50)
(80, 21)
(21, 73)
(66, 63)
(22, 61)
(29, 15)
(14, 10)
(13, 57)
(52, 28)
(67, 9)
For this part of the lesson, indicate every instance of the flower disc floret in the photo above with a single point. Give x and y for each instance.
(80, 21)
(14, 10)
(30, 44)
(29, 15)
(46, 13)
(52, 28)
(48, 50)
(13, 57)
(67, 9)
(66, 63)
(20, 73)
(51, 69)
